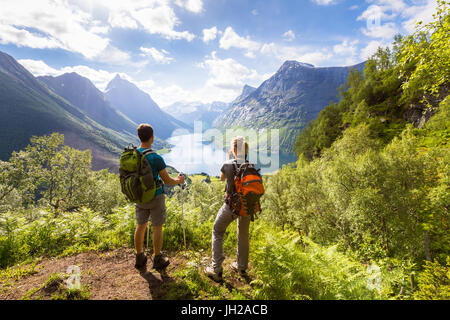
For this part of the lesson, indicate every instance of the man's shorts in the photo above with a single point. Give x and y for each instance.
(155, 209)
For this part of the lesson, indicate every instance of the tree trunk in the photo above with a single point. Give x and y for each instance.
(427, 246)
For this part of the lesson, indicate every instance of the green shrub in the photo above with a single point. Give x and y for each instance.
(434, 282)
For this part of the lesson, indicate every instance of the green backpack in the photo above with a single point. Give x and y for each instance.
(136, 177)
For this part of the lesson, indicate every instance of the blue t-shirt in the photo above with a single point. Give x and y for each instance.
(157, 163)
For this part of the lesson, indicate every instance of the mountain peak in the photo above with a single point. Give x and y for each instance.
(295, 64)
(73, 76)
(118, 81)
(248, 89)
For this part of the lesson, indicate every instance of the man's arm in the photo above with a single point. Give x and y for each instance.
(168, 180)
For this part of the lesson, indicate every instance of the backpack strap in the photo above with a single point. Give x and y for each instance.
(236, 167)
(158, 182)
(147, 151)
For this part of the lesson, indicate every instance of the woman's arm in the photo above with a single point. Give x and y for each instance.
(168, 180)
(222, 176)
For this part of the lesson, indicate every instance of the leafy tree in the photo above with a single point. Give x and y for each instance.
(425, 58)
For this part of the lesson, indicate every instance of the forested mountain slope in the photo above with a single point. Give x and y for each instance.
(291, 98)
(82, 93)
(140, 107)
(28, 108)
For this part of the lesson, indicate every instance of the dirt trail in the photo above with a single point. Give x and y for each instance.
(108, 276)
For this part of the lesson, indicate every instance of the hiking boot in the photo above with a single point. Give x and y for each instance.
(211, 273)
(160, 262)
(141, 261)
(234, 266)
(242, 273)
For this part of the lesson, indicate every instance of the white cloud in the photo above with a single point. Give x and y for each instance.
(231, 39)
(324, 2)
(289, 35)
(383, 9)
(195, 6)
(161, 20)
(225, 82)
(21, 37)
(50, 24)
(121, 19)
(100, 78)
(346, 48)
(372, 48)
(298, 53)
(157, 55)
(380, 16)
(112, 55)
(418, 13)
(168, 94)
(209, 34)
(70, 25)
(226, 73)
(383, 31)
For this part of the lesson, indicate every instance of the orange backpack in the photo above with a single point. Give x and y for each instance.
(249, 189)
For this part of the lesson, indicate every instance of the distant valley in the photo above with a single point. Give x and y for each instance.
(287, 101)
(105, 122)
(72, 105)
(190, 112)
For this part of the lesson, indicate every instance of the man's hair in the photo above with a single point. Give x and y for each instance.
(145, 132)
(239, 146)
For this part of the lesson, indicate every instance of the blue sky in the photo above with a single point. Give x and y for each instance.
(198, 50)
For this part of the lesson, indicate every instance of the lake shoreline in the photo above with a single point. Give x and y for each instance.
(191, 154)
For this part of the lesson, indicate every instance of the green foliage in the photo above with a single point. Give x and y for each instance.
(425, 56)
(17, 273)
(434, 282)
(194, 283)
(48, 173)
(416, 70)
(324, 222)
(394, 199)
(437, 130)
(291, 267)
(69, 232)
(54, 289)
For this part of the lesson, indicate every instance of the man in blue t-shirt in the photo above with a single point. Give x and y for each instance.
(155, 209)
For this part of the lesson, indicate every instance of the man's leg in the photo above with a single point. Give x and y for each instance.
(158, 215)
(139, 236)
(142, 216)
(157, 239)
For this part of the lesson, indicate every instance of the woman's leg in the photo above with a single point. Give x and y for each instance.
(243, 226)
(223, 220)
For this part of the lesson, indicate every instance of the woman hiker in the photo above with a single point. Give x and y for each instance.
(225, 216)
